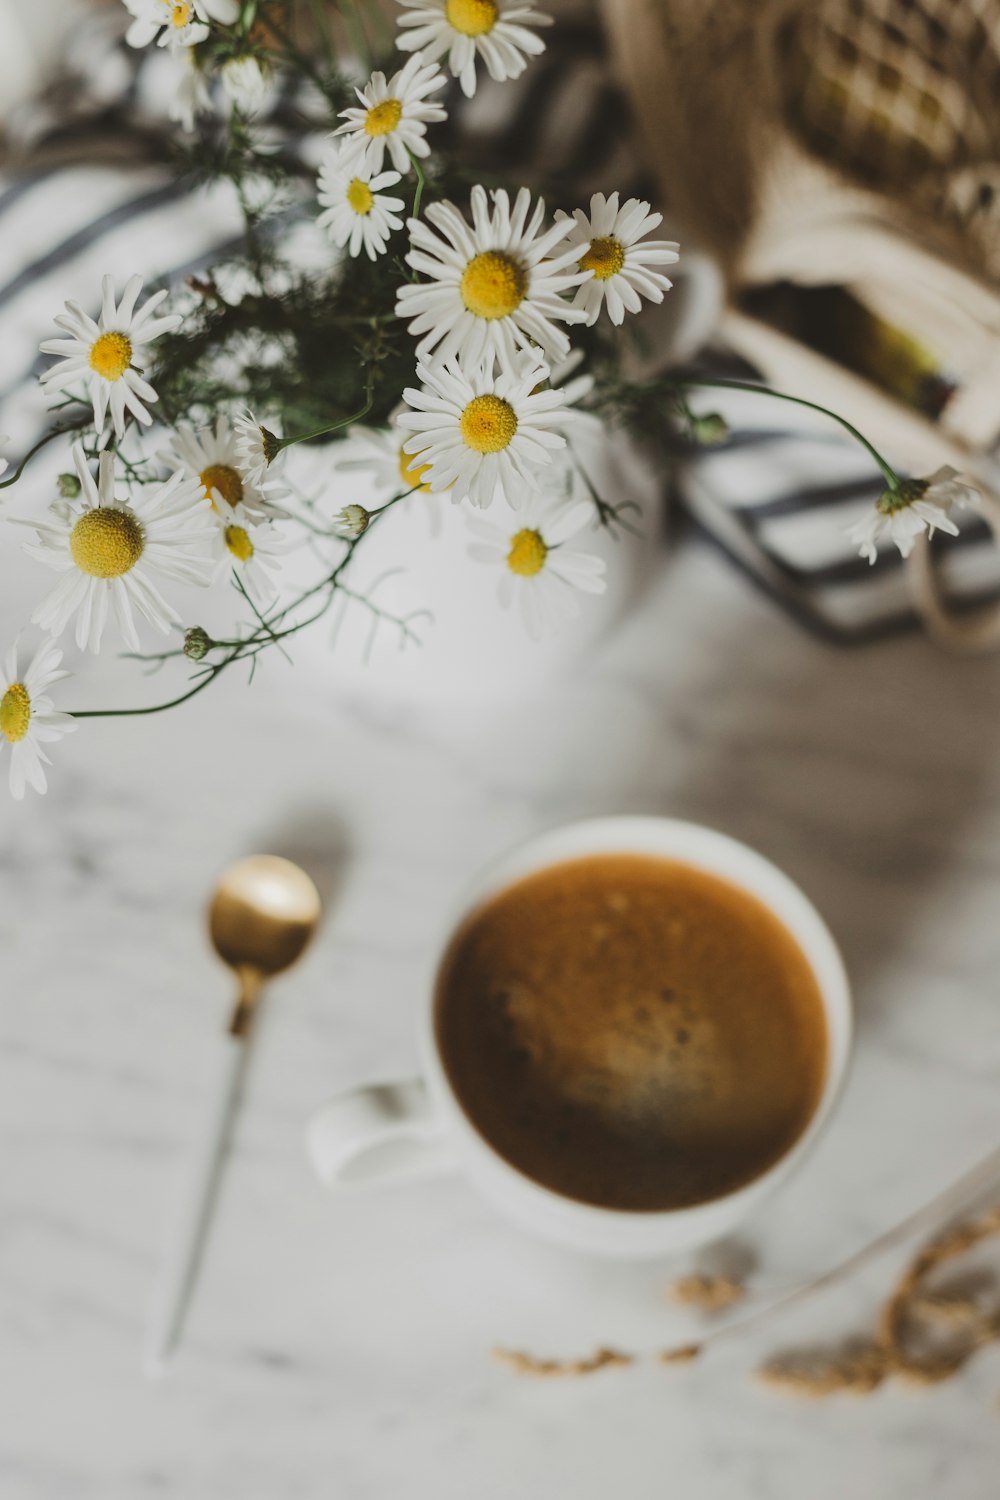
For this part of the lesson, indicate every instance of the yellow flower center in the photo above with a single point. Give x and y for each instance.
(493, 285)
(106, 543)
(411, 470)
(605, 257)
(471, 17)
(111, 355)
(360, 196)
(239, 543)
(527, 553)
(488, 424)
(383, 118)
(180, 15)
(15, 712)
(224, 479)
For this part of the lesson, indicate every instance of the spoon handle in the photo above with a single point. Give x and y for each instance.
(177, 1273)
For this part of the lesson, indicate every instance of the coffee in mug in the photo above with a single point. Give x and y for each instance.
(632, 1032)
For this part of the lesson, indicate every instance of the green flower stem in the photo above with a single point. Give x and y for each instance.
(358, 416)
(380, 26)
(321, 23)
(421, 184)
(267, 635)
(357, 36)
(153, 708)
(892, 479)
(42, 442)
(297, 57)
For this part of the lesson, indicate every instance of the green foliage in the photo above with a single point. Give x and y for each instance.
(300, 356)
(299, 347)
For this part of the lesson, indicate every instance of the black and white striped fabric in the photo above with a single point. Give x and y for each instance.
(98, 197)
(101, 196)
(779, 500)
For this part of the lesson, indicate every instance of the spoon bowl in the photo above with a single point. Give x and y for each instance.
(262, 914)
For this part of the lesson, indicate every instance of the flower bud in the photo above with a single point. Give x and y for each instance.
(197, 643)
(352, 522)
(709, 429)
(69, 486)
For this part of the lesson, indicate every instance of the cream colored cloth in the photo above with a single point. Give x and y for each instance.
(33, 34)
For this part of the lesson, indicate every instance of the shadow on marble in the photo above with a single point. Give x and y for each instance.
(317, 838)
(866, 775)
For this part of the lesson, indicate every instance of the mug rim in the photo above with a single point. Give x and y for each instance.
(666, 838)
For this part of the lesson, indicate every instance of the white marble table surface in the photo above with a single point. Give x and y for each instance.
(341, 1348)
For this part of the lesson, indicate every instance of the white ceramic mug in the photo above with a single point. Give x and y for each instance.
(389, 1131)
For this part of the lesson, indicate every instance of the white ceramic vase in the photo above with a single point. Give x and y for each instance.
(415, 565)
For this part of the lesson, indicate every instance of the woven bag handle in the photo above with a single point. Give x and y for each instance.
(969, 632)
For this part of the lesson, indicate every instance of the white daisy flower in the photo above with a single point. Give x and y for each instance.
(192, 96)
(27, 718)
(107, 356)
(211, 456)
(493, 288)
(495, 30)
(394, 116)
(575, 423)
(4, 461)
(917, 505)
(609, 240)
(381, 453)
(358, 212)
(183, 23)
(485, 433)
(537, 573)
(248, 551)
(579, 386)
(111, 552)
(247, 83)
(255, 447)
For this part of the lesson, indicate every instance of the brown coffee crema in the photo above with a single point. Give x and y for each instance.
(632, 1032)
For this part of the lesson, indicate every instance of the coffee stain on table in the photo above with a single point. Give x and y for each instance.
(529, 1364)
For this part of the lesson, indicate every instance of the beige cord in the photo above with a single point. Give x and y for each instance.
(969, 632)
(951, 1200)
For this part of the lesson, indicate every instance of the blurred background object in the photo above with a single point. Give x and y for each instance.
(33, 34)
(841, 161)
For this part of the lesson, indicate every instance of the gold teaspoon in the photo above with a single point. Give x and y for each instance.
(262, 914)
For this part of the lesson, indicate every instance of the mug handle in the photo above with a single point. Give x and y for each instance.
(382, 1132)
